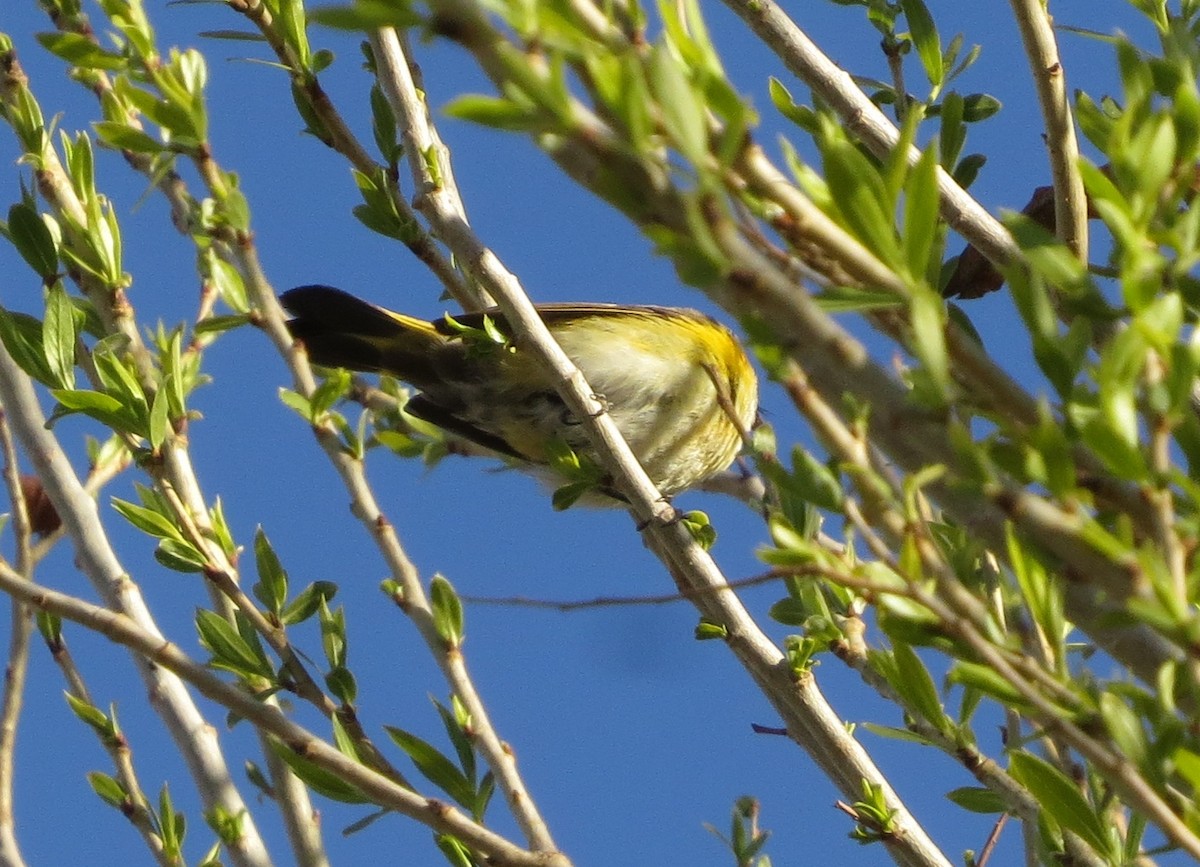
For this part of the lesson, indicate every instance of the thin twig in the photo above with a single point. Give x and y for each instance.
(137, 807)
(18, 652)
(617, 601)
(1049, 79)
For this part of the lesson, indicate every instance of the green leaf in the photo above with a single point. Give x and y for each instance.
(457, 853)
(340, 681)
(968, 169)
(127, 138)
(308, 601)
(814, 481)
(1096, 126)
(22, 336)
(289, 22)
(895, 734)
(977, 800)
(400, 443)
(861, 199)
(218, 324)
(852, 299)
(927, 314)
(953, 134)
(1060, 798)
(916, 686)
(229, 649)
(383, 125)
(93, 716)
(105, 408)
(925, 37)
(1187, 763)
(329, 392)
(230, 285)
(147, 520)
(435, 767)
(366, 15)
(455, 723)
(986, 680)
(116, 373)
(790, 611)
(1125, 728)
(495, 112)
(180, 556)
(701, 529)
(77, 49)
(33, 239)
(58, 336)
(343, 740)
(800, 115)
(50, 627)
(272, 587)
(682, 108)
(447, 611)
(234, 35)
(380, 212)
(159, 423)
(921, 213)
(297, 402)
(172, 825)
(333, 634)
(109, 790)
(980, 106)
(318, 779)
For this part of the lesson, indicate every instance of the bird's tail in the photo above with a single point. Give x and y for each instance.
(339, 330)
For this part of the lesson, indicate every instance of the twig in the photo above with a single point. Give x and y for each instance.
(18, 652)
(618, 601)
(343, 140)
(1049, 78)
(137, 807)
(1029, 680)
(993, 838)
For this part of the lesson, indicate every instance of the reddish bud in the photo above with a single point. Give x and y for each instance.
(42, 516)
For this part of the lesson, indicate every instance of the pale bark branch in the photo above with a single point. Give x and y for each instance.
(194, 737)
(149, 646)
(1049, 79)
(810, 720)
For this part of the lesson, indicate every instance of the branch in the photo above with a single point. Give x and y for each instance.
(864, 119)
(156, 652)
(1070, 200)
(18, 652)
(810, 720)
(194, 737)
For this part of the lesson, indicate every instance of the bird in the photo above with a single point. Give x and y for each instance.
(677, 383)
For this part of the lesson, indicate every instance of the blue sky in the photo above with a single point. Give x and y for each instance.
(630, 734)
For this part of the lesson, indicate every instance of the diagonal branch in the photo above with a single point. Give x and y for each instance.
(810, 720)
